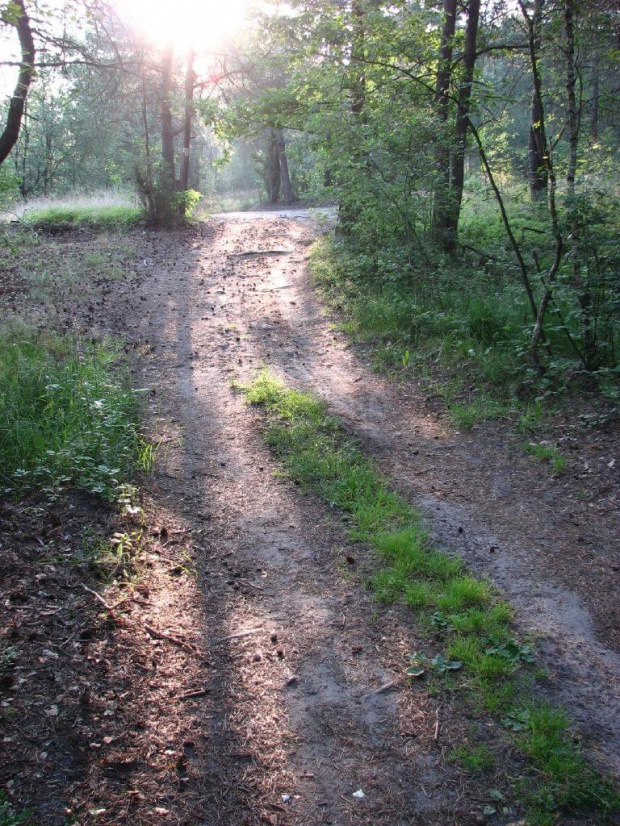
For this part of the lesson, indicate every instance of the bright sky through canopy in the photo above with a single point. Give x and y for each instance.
(204, 24)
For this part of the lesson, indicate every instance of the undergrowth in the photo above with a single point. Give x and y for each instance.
(61, 218)
(474, 624)
(67, 416)
(464, 328)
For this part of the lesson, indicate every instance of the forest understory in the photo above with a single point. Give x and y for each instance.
(220, 658)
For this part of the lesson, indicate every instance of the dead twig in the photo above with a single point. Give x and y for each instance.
(241, 634)
(161, 635)
(154, 632)
(436, 732)
(249, 253)
(188, 695)
(106, 605)
(251, 585)
(388, 686)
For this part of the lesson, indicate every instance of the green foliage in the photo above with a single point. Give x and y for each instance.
(8, 815)
(187, 203)
(60, 218)
(67, 415)
(468, 335)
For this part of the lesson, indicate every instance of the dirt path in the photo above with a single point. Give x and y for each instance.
(291, 707)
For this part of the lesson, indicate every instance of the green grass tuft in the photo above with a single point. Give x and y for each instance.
(474, 759)
(548, 453)
(569, 784)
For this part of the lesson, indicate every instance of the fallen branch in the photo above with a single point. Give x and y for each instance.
(259, 252)
(199, 692)
(251, 584)
(106, 605)
(387, 686)
(154, 632)
(241, 634)
(161, 635)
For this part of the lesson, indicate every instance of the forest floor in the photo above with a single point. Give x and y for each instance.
(234, 675)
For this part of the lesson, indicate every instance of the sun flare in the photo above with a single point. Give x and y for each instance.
(204, 25)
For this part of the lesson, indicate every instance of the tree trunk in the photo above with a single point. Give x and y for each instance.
(538, 331)
(190, 82)
(538, 178)
(584, 296)
(273, 169)
(594, 116)
(441, 205)
(21, 21)
(49, 160)
(287, 189)
(165, 113)
(348, 210)
(462, 126)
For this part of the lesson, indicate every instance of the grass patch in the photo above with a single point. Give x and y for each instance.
(465, 415)
(464, 328)
(476, 627)
(568, 782)
(64, 218)
(67, 416)
(8, 815)
(474, 759)
(545, 452)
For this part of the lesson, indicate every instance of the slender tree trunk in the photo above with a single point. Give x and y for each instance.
(462, 126)
(21, 21)
(538, 178)
(287, 189)
(25, 147)
(580, 282)
(358, 73)
(571, 97)
(441, 204)
(273, 169)
(190, 83)
(47, 172)
(147, 139)
(348, 209)
(165, 113)
(537, 333)
(594, 117)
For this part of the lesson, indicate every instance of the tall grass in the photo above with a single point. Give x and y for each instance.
(67, 415)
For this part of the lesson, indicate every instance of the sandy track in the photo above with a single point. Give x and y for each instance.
(292, 709)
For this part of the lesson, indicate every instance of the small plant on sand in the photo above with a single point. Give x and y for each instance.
(474, 759)
(545, 452)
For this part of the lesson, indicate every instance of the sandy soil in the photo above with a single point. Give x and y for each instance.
(259, 701)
